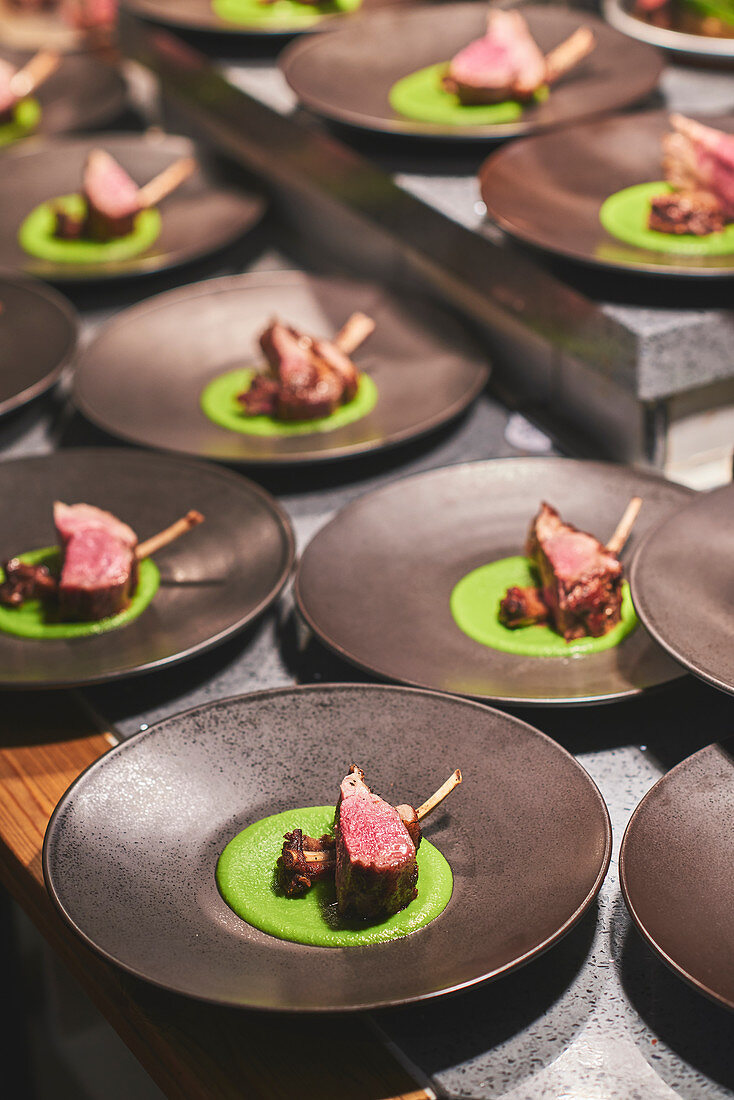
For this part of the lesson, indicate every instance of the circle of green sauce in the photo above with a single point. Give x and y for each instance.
(36, 235)
(281, 12)
(219, 402)
(625, 213)
(475, 610)
(26, 116)
(422, 96)
(31, 620)
(247, 882)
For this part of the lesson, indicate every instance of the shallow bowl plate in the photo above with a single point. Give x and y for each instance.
(198, 15)
(374, 584)
(347, 75)
(617, 14)
(682, 586)
(214, 580)
(547, 191)
(132, 847)
(143, 376)
(38, 332)
(675, 870)
(197, 219)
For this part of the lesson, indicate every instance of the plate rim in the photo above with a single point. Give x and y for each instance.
(253, 30)
(69, 314)
(645, 268)
(331, 687)
(431, 131)
(281, 518)
(676, 968)
(223, 284)
(636, 566)
(487, 700)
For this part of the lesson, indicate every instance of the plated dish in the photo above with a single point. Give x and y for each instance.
(675, 870)
(197, 218)
(251, 17)
(390, 64)
(107, 619)
(695, 627)
(192, 361)
(77, 93)
(677, 35)
(38, 333)
(417, 605)
(588, 193)
(221, 768)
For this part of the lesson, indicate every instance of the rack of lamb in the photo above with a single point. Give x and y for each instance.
(372, 855)
(307, 377)
(113, 200)
(506, 63)
(580, 592)
(698, 163)
(17, 84)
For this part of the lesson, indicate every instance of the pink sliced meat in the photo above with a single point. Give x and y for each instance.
(700, 158)
(113, 198)
(99, 570)
(376, 869)
(581, 581)
(8, 99)
(505, 63)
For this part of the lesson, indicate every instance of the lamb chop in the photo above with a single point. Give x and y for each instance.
(100, 556)
(698, 162)
(506, 62)
(581, 580)
(113, 200)
(372, 877)
(307, 377)
(17, 84)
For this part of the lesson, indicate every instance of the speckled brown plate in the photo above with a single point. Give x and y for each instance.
(683, 585)
(136, 879)
(81, 94)
(143, 376)
(214, 580)
(702, 46)
(38, 332)
(374, 584)
(547, 191)
(675, 870)
(197, 219)
(198, 15)
(347, 75)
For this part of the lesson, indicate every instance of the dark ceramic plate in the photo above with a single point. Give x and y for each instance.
(547, 191)
(198, 218)
(347, 75)
(198, 15)
(675, 870)
(683, 588)
(617, 13)
(143, 376)
(214, 580)
(374, 584)
(81, 94)
(139, 886)
(38, 331)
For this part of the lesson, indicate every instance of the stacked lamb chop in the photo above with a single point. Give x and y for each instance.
(372, 855)
(16, 84)
(698, 162)
(307, 377)
(113, 200)
(506, 62)
(580, 592)
(99, 570)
